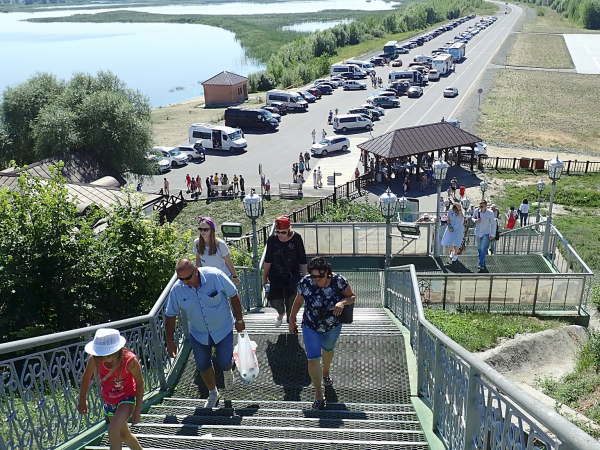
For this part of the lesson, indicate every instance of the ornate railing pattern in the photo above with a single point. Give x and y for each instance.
(474, 407)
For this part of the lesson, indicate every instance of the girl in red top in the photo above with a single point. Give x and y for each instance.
(121, 383)
(461, 191)
(512, 218)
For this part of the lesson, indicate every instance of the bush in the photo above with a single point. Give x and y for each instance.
(261, 81)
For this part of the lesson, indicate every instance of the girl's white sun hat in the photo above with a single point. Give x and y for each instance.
(106, 342)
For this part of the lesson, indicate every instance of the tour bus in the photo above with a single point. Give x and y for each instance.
(442, 63)
(458, 51)
(364, 65)
(292, 100)
(217, 137)
(413, 76)
(390, 48)
(337, 69)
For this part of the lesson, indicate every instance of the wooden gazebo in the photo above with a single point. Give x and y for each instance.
(435, 138)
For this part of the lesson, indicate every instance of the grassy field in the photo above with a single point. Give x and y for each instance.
(542, 109)
(540, 50)
(549, 21)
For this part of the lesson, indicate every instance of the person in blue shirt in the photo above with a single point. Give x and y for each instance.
(204, 293)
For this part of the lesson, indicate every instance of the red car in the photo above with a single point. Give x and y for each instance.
(316, 92)
(397, 62)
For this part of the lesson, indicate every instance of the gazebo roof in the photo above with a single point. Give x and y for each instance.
(419, 139)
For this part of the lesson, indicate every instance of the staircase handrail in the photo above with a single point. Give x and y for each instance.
(436, 381)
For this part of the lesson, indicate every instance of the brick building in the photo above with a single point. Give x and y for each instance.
(225, 88)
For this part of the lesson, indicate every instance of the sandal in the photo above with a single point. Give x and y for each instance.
(327, 381)
(318, 404)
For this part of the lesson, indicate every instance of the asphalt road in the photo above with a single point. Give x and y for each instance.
(278, 151)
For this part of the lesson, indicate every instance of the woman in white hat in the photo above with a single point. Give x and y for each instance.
(121, 382)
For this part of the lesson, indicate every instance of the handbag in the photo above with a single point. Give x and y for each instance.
(244, 355)
(347, 315)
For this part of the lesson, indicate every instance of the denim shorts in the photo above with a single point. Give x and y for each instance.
(203, 353)
(315, 341)
(110, 410)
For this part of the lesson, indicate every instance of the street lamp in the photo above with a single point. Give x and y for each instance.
(483, 186)
(555, 168)
(440, 169)
(387, 206)
(403, 203)
(252, 207)
(541, 186)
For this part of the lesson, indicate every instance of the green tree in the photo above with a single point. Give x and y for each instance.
(589, 13)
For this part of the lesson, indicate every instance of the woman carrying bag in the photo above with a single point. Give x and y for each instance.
(325, 295)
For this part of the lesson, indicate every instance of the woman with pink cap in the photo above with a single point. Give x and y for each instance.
(284, 267)
(121, 383)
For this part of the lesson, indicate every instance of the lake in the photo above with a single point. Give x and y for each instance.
(166, 62)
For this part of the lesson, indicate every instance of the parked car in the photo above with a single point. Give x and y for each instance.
(377, 61)
(402, 50)
(451, 91)
(385, 102)
(390, 94)
(433, 75)
(414, 92)
(164, 164)
(397, 62)
(337, 79)
(351, 84)
(274, 112)
(400, 87)
(326, 82)
(307, 96)
(192, 152)
(172, 154)
(330, 144)
(281, 108)
(345, 122)
(314, 91)
(324, 88)
(376, 109)
(371, 115)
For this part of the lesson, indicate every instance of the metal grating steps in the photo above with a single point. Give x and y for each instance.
(368, 407)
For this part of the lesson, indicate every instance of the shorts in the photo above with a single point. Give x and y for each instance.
(314, 342)
(203, 353)
(110, 410)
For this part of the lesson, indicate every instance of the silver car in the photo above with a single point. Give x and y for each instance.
(330, 144)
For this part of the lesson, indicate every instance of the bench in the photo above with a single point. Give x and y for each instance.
(224, 189)
(290, 190)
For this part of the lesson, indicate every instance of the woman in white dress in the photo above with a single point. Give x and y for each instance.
(455, 231)
(212, 251)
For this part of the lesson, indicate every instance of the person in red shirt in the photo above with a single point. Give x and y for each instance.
(461, 191)
(121, 383)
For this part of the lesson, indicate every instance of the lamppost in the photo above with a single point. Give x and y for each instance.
(440, 169)
(555, 168)
(541, 186)
(483, 186)
(387, 206)
(403, 203)
(252, 207)
(466, 206)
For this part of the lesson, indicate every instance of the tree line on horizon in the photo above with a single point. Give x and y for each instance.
(583, 12)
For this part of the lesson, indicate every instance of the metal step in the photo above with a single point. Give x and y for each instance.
(277, 421)
(267, 412)
(270, 432)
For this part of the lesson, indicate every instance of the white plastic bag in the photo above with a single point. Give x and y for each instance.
(244, 354)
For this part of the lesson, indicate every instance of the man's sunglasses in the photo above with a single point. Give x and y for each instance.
(321, 275)
(186, 278)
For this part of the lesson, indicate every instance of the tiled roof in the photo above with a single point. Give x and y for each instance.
(226, 79)
(417, 140)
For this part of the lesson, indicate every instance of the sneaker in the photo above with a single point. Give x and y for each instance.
(318, 404)
(228, 379)
(327, 381)
(278, 322)
(213, 399)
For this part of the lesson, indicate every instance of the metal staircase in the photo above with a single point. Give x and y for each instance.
(368, 407)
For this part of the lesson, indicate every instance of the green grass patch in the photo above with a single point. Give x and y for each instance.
(542, 109)
(536, 50)
(548, 20)
(480, 331)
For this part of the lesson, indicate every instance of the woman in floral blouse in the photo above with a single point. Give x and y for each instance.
(324, 295)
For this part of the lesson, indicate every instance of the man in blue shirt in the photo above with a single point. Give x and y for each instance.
(203, 293)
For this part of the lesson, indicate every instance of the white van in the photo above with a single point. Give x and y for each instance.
(423, 59)
(292, 100)
(217, 137)
(338, 69)
(364, 65)
(345, 122)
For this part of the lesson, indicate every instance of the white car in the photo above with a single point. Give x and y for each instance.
(378, 110)
(339, 81)
(191, 152)
(330, 144)
(451, 91)
(351, 84)
(163, 163)
(433, 75)
(173, 155)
